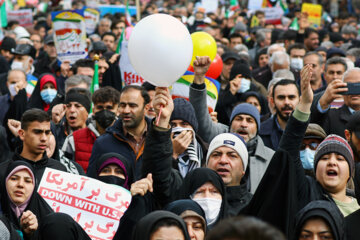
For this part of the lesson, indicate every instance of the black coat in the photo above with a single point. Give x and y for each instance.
(333, 121)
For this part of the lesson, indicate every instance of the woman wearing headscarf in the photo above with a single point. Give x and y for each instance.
(193, 216)
(160, 224)
(319, 220)
(206, 187)
(44, 93)
(20, 202)
(114, 168)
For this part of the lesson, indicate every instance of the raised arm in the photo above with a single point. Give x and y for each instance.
(197, 97)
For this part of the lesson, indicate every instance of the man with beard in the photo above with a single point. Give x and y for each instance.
(78, 145)
(285, 97)
(127, 135)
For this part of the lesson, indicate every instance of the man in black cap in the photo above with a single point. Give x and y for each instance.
(228, 59)
(5, 53)
(48, 62)
(98, 48)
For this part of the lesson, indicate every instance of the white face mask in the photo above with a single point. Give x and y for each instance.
(12, 90)
(296, 63)
(211, 207)
(245, 85)
(17, 65)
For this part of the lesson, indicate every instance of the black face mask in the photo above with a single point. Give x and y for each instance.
(112, 180)
(104, 118)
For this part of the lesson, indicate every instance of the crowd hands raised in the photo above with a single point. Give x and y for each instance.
(276, 159)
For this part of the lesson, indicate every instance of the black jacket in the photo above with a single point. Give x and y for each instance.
(333, 121)
(270, 133)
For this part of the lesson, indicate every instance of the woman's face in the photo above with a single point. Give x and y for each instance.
(207, 190)
(168, 233)
(315, 229)
(255, 102)
(48, 85)
(20, 186)
(112, 170)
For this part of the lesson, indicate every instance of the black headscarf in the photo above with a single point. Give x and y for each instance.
(145, 226)
(325, 210)
(263, 102)
(57, 226)
(199, 177)
(36, 205)
(122, 162)
(180, 206)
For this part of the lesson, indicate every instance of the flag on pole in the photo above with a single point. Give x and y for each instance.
(254, 21)
(127, 15)
(294, 25)
(95, 80)
(122, 36)
(234, 5)
(284, 6)
(3, 18)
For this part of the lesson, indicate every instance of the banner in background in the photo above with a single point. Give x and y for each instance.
(104, 9)
(95, 205)
(314, 12)
(70, 34)
(128, 73)
(23, 16)
(92, 17)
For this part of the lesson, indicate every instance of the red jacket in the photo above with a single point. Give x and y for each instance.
(84, 140)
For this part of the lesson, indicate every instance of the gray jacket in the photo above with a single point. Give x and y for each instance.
(209, 129)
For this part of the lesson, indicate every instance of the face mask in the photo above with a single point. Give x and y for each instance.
(307, 158)
(112, 180)
(17, 65)
(104, 118)
(245, 85)
(296, 63)
(211, 208)
(48, 95)
(12, 90)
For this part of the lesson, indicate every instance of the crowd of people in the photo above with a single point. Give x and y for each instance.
(278, 158)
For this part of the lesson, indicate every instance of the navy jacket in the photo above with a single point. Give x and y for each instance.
(270, 133)
(114, 140)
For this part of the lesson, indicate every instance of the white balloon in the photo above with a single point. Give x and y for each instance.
(160, 49)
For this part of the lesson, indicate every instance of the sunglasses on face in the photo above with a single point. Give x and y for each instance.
(312, 146)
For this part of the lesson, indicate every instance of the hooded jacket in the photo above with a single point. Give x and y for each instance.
(145, 226)
(114, 140)
(325, 210)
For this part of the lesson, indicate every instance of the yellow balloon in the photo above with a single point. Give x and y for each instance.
(203, 45)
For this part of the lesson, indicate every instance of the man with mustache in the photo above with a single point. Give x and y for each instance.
(126, 135)
(285, 97)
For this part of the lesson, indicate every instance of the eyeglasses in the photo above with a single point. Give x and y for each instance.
(312, 146)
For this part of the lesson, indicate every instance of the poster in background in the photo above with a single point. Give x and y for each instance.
(104, 9)
(92, 17)
(70, 35)
(95, 205)
(23, 16)
(314, 12)
(128, 73)
(211, 6)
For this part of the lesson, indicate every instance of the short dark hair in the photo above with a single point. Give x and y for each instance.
(114, 23)
(106, 94)
(296, 46)
(290, 35)
(165, 222)
(284, 82)
(244, 228)
(82, 63)
(235, 35)
(309, 31)
(33, 115)
(335, 60)
(142, 90)
(108, 34)
(321, 60)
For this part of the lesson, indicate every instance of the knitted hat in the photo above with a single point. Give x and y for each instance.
(183, 110)
(231, 140)
(79, 95)
(7, 43)
(246, 108)
(335, 144)
(240, 68)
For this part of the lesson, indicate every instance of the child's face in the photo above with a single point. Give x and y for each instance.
(332, 172)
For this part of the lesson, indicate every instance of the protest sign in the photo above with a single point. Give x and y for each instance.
(273, 15)
(314, 12)
(92, 3)
(70, 34)
(210, 5)
(92, 17)
(181, 89)
(95, 205)
(104, 9)
(128, 73)
(23, 16)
